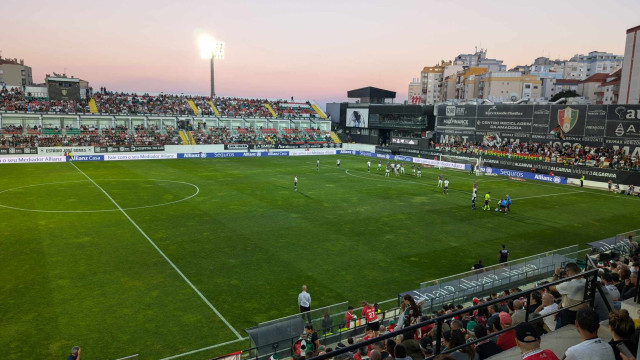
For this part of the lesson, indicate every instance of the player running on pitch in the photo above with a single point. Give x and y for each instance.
(388, 170)
(318, 165)
(402, 168)
(379, 165)
(295, 183)
(369, 166)
(446, 186)
(338, 163)
(413, 169)
(487, 200)
(440, 180)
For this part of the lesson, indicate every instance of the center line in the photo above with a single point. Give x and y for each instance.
(161, 253)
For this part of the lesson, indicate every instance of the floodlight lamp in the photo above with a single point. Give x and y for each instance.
(210, 48)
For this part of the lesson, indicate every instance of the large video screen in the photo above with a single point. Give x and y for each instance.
(358, 118)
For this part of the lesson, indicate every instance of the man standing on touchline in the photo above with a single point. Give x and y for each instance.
(304, 302)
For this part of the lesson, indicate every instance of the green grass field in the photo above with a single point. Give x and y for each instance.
(75, 270)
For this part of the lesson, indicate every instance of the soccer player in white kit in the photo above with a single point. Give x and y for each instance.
(368, 166)
(295, 183)
(379, 164)
(318, 165)
(338, 162)
(446, 186)
(473, 198)
(402, 168)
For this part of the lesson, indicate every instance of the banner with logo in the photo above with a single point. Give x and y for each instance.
(133, 148)
(60, 150)
(617, 126)
(88, 157)
(19, 151)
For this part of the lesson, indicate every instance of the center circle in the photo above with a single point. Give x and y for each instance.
(33, 194)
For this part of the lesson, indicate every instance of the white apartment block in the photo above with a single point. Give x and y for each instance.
(630, 78)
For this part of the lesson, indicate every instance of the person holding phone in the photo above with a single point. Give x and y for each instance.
(622, 330)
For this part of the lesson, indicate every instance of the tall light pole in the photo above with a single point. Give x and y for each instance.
(211, 49)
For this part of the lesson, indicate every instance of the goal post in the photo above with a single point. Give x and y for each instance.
(472, 164)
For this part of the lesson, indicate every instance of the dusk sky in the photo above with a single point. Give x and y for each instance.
(306, 49)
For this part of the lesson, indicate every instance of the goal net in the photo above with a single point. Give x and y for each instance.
(473, 165)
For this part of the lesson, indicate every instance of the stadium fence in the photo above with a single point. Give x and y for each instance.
(457, 288)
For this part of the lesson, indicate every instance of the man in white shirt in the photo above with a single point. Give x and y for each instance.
(547, 307)
(304, 303)
(572, 293)
(591, 347)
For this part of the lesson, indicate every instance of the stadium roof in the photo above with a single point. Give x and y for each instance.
(371, 92)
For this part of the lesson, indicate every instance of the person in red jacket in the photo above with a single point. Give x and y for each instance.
(369, 313)
(349, 317)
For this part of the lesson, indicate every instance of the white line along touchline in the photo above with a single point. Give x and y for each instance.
(161, 253)
(204, 349)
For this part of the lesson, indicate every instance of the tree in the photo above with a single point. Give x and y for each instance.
(564, 94)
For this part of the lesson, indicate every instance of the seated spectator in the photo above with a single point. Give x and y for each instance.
(591, 347)
(400, 353)
(411, 345)
(528, 340)
(536, 301)
(426, 345)
(507, 339)
(622, 330)
(519, 313)
(455, 338)
(485, 348)
(547, 308)
(607, 282)
(630, 288)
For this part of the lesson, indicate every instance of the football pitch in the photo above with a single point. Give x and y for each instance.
(164, 257)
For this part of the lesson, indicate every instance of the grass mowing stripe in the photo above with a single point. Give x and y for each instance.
(161, 253)
(204, 349)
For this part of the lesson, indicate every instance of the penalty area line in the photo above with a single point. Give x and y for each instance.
(539, 196)
(235, 332)
(204, 349)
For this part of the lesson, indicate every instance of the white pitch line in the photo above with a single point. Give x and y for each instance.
(204, 349)
(161, 253)
(537, 196)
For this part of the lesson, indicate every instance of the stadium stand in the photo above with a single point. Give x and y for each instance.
(582, 287)
(119, 103)
(603, 157)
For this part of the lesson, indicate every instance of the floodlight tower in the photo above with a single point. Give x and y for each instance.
(211, 49)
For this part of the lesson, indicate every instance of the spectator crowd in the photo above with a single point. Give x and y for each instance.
(598, 156)
(120, 103)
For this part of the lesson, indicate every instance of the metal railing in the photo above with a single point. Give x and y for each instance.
(591, 286)
(457, 288)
